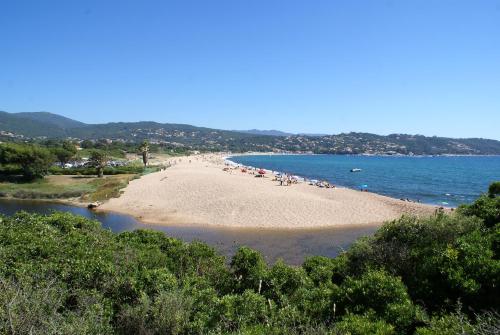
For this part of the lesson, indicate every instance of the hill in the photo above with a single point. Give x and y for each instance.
(271, 132)
(36, 125)
(50, 118)
(29, 125)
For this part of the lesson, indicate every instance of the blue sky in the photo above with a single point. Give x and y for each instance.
(420, 67)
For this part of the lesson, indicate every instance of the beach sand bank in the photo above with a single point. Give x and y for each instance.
(196, 190)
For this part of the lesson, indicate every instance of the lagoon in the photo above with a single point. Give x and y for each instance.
(290, 245)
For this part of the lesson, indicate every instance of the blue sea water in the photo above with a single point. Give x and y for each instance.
(441, 180)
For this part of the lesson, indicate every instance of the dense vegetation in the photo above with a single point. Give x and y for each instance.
(63, 274)
(184, 137)
(36, 160)
(24, 166)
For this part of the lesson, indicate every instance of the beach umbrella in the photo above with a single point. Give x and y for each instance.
(262, 171)
(364, 186)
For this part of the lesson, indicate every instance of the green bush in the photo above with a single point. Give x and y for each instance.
(494, 189)
(379, 293)
(33, 160)
(166, 313)
(485, 207)
(362, 325)
(249, 269)
(440, 259)
(64, 274)
(89, 171)
(447, 325)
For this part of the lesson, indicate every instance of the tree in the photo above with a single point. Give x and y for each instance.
(64, 152)
(87, 144)
(99, 159)
(144, 148)
(33, 160)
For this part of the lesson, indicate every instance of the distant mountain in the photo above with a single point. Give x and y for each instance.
(270, 132)
(50, 118)
(273, 132)
(312, 135)
(27, 125)
(36, 125)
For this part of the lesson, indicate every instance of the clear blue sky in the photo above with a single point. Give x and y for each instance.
(426, 67)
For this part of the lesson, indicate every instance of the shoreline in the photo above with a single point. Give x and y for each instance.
(193, 226)
(180, 224)
(195, 191)
(228, 159)
(59, 201)
(255, 153)
(444, 206)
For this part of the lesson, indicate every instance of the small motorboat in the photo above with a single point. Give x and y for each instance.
(356, 170)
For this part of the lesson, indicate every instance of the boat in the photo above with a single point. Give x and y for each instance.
(356, 170)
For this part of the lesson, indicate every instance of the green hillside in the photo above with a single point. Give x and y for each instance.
(50, 118)
(29, 126)
(33, 125)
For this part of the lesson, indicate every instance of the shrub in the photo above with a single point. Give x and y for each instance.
(486, 208)
(237, 311)
(494, 189)
(248, 268)
(379, 293)
(166, 313)
(362, 325)
(64, 274)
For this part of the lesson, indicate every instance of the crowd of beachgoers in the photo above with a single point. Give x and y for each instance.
(283, 178)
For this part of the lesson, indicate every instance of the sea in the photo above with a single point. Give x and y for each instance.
(438, 180)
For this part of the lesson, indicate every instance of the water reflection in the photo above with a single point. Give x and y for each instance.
(290, 245)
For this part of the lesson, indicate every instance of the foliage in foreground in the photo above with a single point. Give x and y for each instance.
(64, 274)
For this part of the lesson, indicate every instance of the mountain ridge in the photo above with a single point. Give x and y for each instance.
(270, 132)
(48, 125)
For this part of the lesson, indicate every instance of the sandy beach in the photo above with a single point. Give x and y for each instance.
(196, 190)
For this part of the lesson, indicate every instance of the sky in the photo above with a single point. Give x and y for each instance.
(417, 67)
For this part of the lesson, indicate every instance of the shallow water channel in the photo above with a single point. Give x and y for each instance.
(290, 245)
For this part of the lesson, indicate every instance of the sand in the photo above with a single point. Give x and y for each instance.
(196, 191)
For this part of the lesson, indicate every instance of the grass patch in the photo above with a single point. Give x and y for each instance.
(64, 187)
(53, 187)
(109, 187)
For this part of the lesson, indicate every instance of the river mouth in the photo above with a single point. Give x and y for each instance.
(293, 246)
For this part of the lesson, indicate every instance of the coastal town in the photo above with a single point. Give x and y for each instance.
(36, 127)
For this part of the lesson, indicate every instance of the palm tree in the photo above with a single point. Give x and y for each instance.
(144, 148)
(99, 159)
